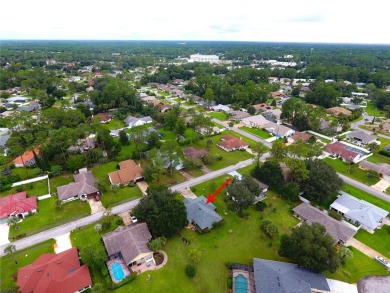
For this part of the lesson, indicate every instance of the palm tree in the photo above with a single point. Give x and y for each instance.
(9, 250)
(13, 221)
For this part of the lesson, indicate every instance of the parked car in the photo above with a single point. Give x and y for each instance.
(133, 219)
(383, 261)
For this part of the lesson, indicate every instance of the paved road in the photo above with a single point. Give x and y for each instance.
(356, 124)
(365, 188)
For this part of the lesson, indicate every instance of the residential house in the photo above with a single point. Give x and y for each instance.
(194, 153)
(387, 148)
(27, 159)
(361, 137)
(238, 115)
(326, 125)
(279, 95)
(286, 172)
(273, 115)
(177, 93)
(359, 212)
(149, 99)
(382, 169)
(83, 187)
(205, 131)
(129, 243)
(260, 108)
(82, 145)
(201, 214)
(221, 108)
(18, 205)
(115, 132)
(257, 121)
(274, 276)
(263, 193)
(304, 136)
(339, 150)
(279, 130)
(28, 108)
(103, 117)
(165, 108)
(134, 121)
(129, 171)
(52, 272)
(339, 231)
(230, 143)
(97, 74)
(386, 126)
(336, 111)
(3, 142)
(18, 100)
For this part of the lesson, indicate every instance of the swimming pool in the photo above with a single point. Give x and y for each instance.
(240, 284)
(117, 271)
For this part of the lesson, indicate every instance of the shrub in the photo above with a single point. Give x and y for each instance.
(385, 153)
(230, 282)
(19, 188)
(190, 271)
(133, 275)
(131, 184)
(106, 226)
(335, 215)
(119, 221)
(260, 206)
(229, 265)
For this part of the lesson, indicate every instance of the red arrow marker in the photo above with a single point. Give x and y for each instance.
(212, 198)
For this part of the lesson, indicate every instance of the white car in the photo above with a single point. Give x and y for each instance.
(383, 261)
(133, 219)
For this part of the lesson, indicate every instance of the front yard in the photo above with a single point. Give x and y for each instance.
(356, 174)
(48, 217)
(257, 131)
(218, 115)
(115, 123)
(379, 241)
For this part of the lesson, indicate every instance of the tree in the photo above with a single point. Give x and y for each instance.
(259, 149)
(323, 94)
(242, 193)
(297, 149)
(311, 247)
(94, 257)
(169, 151)
(56, 170)
(270, 173)
(289, 191)
(123, 138)
(278, 150)
(164, 214)
(9, 250)
(209, 96)
(298, 170)
(194, 255)
(180, 126)
(98, 227)
(373, 146)
(322, 182)
(190, 271)
(153, 141)
(345, 253)
(58, 204)
(269, 228)
(75, 162)
(156, 162)
(157, 244)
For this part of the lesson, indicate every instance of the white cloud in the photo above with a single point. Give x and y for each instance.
(284, 20)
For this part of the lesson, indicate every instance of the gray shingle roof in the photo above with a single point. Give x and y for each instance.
(381, 168)
(338, 230)
(281, 277)
(365, 137)
(130, 241)
(84, 184)
(359, 210)
(4, 139)
(202, 214)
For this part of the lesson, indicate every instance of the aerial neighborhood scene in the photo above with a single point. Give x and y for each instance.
(242, 151)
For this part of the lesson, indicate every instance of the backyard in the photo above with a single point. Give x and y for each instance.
(8, 268)
(257, 131)
(355, 173)
(49, 216)
(115, 123)
(374, 111)
(379, 241)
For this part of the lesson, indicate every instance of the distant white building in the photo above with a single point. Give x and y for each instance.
(204, 58)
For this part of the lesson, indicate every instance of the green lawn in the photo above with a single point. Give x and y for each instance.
(25, 173)
(378, 158)
(358, 193)
(256, 131)
(115, 123)
(8, 268)
(218, 115)
(357, 174)
(48, 217)
(379, 241)
(113, 196)
(359, 266)
(374, 111)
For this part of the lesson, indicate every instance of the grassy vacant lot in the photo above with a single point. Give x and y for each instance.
(380, 240)
(48, 216)
(359, 266)
(256, 131)
(358, 193)
(113, 196)
(218, 115)
(374, 111)
(244, 242)
(8, 268)
(357, 174)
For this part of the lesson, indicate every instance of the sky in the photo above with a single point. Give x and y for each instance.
(324, 21)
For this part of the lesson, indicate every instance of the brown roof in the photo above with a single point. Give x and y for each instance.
(103, 117)
(277, 94)
(194, 153)
(231, 142)
(338, 230)
(381, 168)
(339, 149)
(335, 111)
(301, 135)
(129, 172)
(60, 273)
(130, 241)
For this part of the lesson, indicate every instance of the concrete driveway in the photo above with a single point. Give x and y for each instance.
(96, 206)
(143, 186)
(382, 185)
(62, 243)
(4, 230)
(364, 248)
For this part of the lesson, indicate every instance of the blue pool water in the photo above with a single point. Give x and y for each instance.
(117, 271)
(240, 284)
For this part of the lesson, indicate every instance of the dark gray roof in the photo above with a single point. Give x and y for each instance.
(84, 184)
(202, 214)
(363, 136)
(281, 277)
(338, 230)
(130, 241)
(4, 139)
